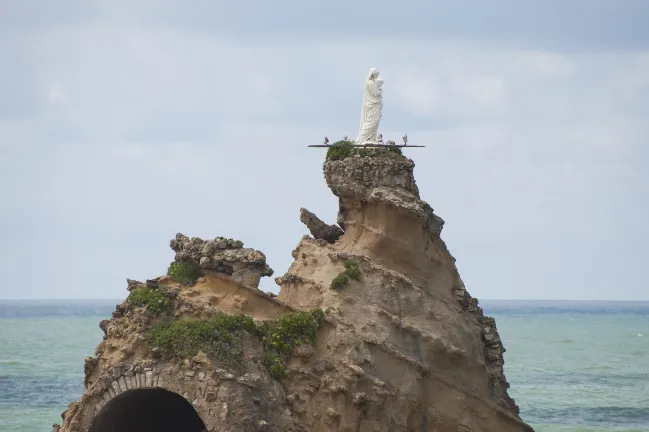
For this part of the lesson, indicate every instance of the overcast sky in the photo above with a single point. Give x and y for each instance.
(125, 122)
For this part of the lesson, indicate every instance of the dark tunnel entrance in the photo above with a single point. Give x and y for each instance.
(148, 410)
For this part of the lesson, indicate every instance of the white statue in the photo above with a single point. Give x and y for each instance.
(372, 108)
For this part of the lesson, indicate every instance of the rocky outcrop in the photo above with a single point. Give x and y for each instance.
(402, 345)
(226, 396)
(406, 351)
(223, 255)
(319, 229)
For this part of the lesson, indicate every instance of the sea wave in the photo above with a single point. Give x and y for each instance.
(20, 391)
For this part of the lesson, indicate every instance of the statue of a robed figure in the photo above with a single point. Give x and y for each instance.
(371, 114)
(372, 108)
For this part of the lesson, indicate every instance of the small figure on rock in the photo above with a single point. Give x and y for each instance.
(379, 139)
(405, 140)
(326, 141)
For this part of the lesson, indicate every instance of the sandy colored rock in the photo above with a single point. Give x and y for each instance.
(410, 349)
(404, 348)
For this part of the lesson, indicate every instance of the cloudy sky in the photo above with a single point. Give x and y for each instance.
(125, 122)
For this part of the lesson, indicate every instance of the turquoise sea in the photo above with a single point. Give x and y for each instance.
(573, 366)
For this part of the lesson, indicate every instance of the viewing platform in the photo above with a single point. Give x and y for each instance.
(369, 145)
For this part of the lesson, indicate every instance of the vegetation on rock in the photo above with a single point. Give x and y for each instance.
(340, 150)
(222, 337)
(157, 301)
(184, 272)
(340, 280)
(351, 272)
(345, 148)
(286, 333)
(219, 337)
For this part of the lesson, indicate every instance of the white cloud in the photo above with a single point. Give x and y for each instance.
(56, 95)
(547, 65)
(418, 92)
(166, 131)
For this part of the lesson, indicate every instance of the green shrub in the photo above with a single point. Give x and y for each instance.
(222, 337)
(219, 337)
(340, 280)
(275, 365)
(184, 272)
(352, 271)
(286, 333)
(158, 302)
(340, 150)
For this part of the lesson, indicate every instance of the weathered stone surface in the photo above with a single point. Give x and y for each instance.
(89, 364)
(222, 255)
(418, 343)
(318, 228)
(404, 348)
(132, 284)
(356, 177)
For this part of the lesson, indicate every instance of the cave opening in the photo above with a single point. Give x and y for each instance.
(148, 410)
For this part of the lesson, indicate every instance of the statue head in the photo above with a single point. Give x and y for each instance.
(374, 73)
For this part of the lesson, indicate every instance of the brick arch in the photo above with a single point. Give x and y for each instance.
(148, 409)
(142, 380)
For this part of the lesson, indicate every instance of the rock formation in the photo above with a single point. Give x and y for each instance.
(319, 229)
(372, 330)
(222, 255)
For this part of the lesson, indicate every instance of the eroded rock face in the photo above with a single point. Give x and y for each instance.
(409, 348)
(356, 177)
(404, 347)
(223, 255)
(226, 397)
(319, 229)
